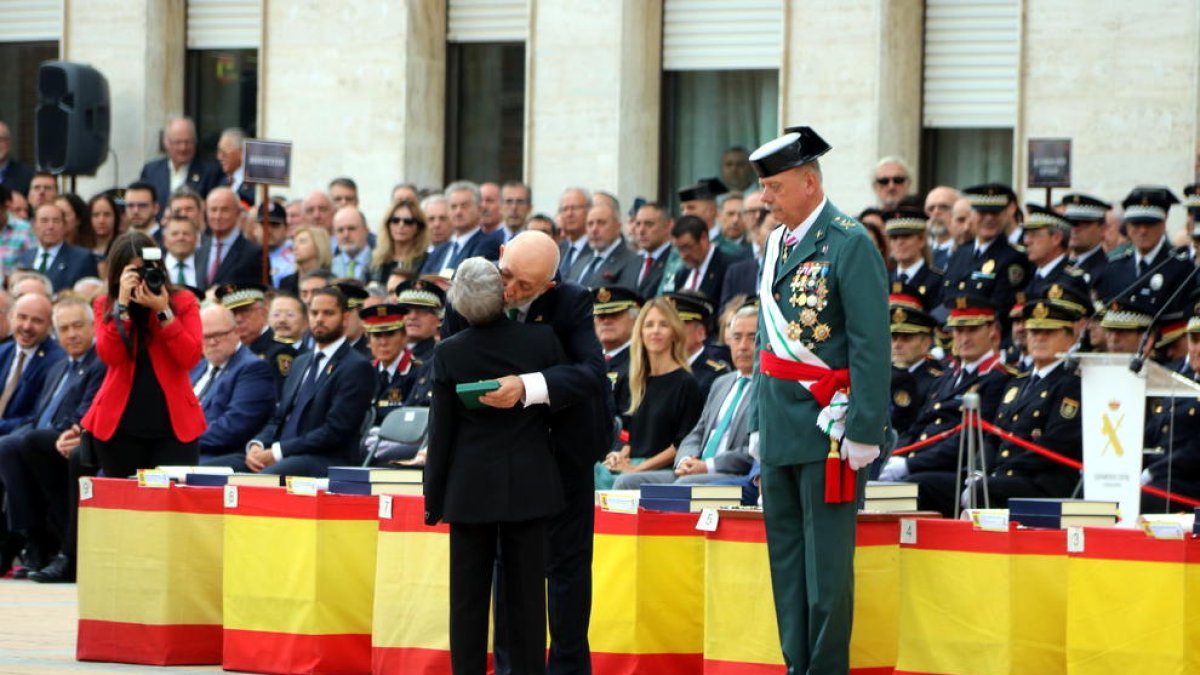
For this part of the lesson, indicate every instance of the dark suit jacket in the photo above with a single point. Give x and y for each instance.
(580, 394)
(943, 409)
(238, 403)
(17, 176)
(714, 276)
(22, 407)
(1007, 268)
(242, 264)
(1172, 270)
(1094, 265)
(649, 286)
(740, 279)
(245, 192)
(620, 268)
(332, 418)
(77, 398)
(202, 176)
(69, 265)
(489, 464)
(1046, 412)
(481, 244)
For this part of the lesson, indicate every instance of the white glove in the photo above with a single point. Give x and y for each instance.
(1146, 477)
(895, 469)
(752, 446)
(858, 454)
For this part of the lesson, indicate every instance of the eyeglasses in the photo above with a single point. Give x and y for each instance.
(217, 336)
(893, 180)
(138, 205)
(396, 220)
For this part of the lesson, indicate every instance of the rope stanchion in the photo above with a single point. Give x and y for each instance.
(913, 447)
(1032, 447)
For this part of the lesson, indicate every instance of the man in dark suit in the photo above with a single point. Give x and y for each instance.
(703, 263)
(581, 432)
(491, 474)
(226, 256)
(61, 262)
(1086, 215)
(181, 166)
(13, 174)
(235, 387)
(611, 262)
(325, 400)
(743, 276)
(229, 156)
(31, 469)
(26, 360)
(469, 239)
(652, 232)
(1047, 236)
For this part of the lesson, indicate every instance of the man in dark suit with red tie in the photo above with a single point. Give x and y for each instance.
(325, 400)
(652, 232)
(226, 256)
(704, 264)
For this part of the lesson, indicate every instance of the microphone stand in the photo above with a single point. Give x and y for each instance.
(1139, 357)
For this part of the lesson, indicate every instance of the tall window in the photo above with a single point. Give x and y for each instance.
(19, 92)
(705, 113)
(721, 62)
(222, 92)
(221, 69)
(485, 111)
(970, 91)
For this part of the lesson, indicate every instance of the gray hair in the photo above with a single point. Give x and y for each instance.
(464, 186)
(235, 134)
(477, 292)
(73, 301)
(892, 159)
(587, 194)
(436, 198)
(743, 311)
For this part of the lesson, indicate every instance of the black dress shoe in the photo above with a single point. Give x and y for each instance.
(32, 560)
(61, 570)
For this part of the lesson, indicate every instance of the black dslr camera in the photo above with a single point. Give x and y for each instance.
(150, 272)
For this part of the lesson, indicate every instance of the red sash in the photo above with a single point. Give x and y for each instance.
(840, 479)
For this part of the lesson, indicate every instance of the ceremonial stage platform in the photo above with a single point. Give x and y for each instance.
(271, 582)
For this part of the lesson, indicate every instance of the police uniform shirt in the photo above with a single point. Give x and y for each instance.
(1042, 407)
(1173, 427)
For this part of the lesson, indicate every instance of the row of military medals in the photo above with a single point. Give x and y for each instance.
(809, 293)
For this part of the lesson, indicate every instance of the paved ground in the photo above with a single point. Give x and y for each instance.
(37, 634)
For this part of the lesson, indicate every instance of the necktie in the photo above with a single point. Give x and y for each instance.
(291, 425)
(694, 279)
(591, 269)
(512, 313)
(179, 277)
(56, 399)
(455, 249)
(45, 262)
(714, 440)
(206, 385)
(978, 254)
(565, 267)
(14, 379)
(351, 268)
(647, 263)
(214, 263)
(903, 277)
(1143, 267)
(384, 379)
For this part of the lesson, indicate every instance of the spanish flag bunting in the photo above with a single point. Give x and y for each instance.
(149, 578)
(299, 582)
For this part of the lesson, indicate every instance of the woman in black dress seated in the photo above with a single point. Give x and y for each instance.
(490, 474)
(664, 397)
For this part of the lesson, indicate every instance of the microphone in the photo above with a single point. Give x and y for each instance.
(1172, 255)
(1139, 357)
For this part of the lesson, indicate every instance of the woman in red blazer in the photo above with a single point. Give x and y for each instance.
(145, 413)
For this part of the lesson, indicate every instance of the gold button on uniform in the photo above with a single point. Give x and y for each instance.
(1004, 454)
(1008, 473)
(1037, 413)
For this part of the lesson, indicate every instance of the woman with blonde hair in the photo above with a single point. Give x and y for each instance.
(664, 397)
(403, 241)
(312, 251)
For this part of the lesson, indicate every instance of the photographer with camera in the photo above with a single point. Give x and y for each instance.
(145, 413)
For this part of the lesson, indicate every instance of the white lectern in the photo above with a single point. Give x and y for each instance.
(1114, 420)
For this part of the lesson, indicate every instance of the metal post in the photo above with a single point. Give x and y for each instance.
(970, 444)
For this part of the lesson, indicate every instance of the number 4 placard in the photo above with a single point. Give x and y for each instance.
(908, 531)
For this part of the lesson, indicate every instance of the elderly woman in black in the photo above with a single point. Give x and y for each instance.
(490, 474)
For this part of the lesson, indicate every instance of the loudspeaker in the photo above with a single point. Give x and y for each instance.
(72, 119)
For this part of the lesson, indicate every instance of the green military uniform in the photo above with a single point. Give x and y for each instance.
(831, 290)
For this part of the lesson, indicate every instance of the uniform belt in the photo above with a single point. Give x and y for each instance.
(824, 382)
